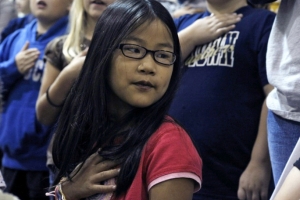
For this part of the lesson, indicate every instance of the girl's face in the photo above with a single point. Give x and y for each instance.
(95, 8)
(141, 82)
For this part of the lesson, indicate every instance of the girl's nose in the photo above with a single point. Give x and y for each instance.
(147, 65)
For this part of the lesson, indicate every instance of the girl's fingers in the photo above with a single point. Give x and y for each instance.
(105, 165)
(106, 175)
(95, 158)
(103, 189)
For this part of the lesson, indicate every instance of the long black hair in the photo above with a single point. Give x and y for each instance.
(84, 124)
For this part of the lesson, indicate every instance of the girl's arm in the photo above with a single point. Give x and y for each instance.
(173, 189)
(46, 114)
(58, 83)
(290, 188)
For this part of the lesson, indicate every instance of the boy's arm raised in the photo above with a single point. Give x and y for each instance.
(205, 30)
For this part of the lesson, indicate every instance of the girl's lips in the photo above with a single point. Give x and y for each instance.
(144, 83)
(41, 4)
(98, 2)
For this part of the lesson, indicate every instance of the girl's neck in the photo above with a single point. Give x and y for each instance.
(225, 6)
(116, 107)
(116, 112)
(91, 23)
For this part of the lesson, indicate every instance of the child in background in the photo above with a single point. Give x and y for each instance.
(65, 56)
(24, 17)
(23, 140)
(7, 12)
(283, 69)
(116, 110)
(23, 7)
(221, 96)
(64, 59)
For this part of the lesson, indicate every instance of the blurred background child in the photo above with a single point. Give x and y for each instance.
(24, 17)
(23, 140)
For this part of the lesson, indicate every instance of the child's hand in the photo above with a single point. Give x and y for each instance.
(254, 182)
(75, 66)
(209, 28)
(26, 58)
(86, 181)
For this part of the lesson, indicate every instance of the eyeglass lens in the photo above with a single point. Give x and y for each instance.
(138, 52)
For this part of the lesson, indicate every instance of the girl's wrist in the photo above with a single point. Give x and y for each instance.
(65, 192)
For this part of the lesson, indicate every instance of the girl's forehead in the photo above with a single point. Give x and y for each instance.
(150, 25)
(154, 30)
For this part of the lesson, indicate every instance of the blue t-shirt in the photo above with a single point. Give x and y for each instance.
(220, 98)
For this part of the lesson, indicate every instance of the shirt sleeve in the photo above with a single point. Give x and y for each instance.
(170, 154)
(262, 47)
(53, 53)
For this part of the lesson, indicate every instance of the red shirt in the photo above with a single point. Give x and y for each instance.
(168, 154)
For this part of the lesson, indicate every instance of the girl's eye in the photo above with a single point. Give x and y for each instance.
(133, 50)
(164, 55)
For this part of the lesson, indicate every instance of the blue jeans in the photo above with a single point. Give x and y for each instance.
(283, 135)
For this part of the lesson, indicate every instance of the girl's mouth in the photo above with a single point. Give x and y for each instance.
(98, 2)
(41, 4)
(144, 85)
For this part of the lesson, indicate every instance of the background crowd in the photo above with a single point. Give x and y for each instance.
(237, 97)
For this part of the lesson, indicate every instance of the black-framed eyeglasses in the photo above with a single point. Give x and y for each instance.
(139, 52)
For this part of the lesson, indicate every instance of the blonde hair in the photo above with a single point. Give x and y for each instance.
(77, 26)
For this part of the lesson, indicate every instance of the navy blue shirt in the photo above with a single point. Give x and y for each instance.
(220, 98)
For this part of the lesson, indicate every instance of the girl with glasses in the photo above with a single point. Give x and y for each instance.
(117, 111)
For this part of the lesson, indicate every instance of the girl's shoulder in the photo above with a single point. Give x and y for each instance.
(170, 123)
(170, 131)
(56, 44)
(170, 151)
(54, 52)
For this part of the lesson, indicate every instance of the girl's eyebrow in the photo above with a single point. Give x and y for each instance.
(141, 41)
